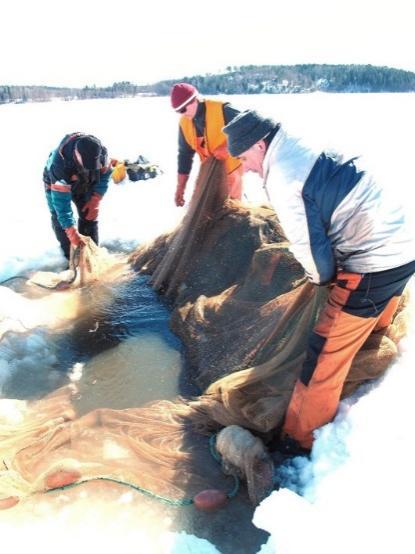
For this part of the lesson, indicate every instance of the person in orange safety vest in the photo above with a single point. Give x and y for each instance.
(200, 130)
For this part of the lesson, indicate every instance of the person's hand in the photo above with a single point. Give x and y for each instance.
(74, 237)
(221, 152)
(179, 196)
(181, 187)
(91, 208)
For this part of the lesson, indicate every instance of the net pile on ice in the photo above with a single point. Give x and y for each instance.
(244, 310)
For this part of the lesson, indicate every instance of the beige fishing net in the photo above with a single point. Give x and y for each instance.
(243, 310)
(88, 264)
(34, 305)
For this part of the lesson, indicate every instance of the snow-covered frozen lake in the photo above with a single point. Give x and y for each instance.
(360, 481)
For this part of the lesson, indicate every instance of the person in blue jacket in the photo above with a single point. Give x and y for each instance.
(349, 232)
(77, 171)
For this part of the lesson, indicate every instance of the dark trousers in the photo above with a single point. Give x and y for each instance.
(85, 227)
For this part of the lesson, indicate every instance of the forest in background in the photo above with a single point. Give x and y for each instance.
(248, 79)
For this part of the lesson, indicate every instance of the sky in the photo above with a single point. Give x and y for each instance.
(86, 42)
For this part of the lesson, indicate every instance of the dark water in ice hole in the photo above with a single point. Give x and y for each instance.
(122, 354)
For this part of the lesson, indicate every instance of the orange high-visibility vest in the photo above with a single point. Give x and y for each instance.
(213, 135)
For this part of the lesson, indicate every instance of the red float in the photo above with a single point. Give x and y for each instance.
(8, 502)
(210, 500)
(61, 478)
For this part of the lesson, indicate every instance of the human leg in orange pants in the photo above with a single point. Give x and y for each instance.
(357, 305)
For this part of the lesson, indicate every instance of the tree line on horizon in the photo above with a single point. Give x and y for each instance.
(247, 79)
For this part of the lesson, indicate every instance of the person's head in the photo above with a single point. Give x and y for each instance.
(183, 97)
(246, 135)
(88, 153)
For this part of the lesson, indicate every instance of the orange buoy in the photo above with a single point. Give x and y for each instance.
(210, 500)
(8, 502)
(61, 478)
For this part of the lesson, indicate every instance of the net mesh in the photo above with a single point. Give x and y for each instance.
(243, 310)
(51, 300)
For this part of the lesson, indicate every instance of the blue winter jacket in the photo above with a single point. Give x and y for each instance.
(64, 180)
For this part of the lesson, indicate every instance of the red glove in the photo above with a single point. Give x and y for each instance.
(74, 237)
(181, 187)
(91, 208)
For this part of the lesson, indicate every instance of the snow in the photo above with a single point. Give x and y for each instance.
(359, 484)
(356, 490)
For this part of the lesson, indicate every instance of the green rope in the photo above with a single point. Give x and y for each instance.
(146, 492)
(62, 285)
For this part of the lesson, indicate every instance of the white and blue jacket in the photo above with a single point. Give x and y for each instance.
(334, 214)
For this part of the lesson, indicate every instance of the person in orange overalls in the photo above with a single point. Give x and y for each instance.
(351, 234)
(200, 130)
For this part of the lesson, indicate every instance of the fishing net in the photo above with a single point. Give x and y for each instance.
(88, 264)
(151, 447)
(243, 309)
(51, 300)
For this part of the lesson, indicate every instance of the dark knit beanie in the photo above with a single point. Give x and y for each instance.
(246, 129)
(90, 149)
(181, 94)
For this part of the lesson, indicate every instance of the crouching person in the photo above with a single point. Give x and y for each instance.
(77, 171)
(346, 231)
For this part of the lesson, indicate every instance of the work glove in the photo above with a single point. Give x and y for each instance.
(221, 152)
(181, 187)
(74, 237)
(91, 208)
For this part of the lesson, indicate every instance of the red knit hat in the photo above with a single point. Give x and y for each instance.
(181, 94)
